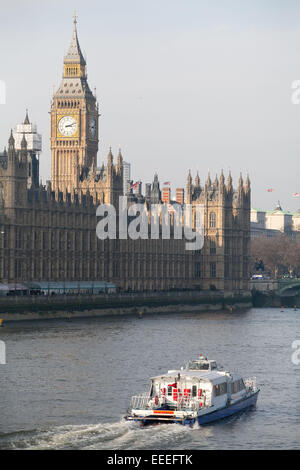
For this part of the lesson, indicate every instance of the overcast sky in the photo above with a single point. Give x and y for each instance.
(182, 84)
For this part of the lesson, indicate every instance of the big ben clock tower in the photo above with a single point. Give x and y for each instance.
(74, 123)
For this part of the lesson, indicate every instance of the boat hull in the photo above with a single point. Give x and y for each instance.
(228, 410)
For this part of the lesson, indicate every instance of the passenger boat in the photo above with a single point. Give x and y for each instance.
(201, 392)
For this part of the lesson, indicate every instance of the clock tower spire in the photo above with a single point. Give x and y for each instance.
(74, 122)
(74, 62)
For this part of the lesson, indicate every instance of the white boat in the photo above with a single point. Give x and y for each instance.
(201, 392)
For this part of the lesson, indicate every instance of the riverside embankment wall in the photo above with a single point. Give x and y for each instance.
(32, 307)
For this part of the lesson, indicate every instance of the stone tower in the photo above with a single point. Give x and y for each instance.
(13, 178)
(74, 123)
(34, 147)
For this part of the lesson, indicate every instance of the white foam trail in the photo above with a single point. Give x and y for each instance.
(71, 436)
(149, 437)
(119, 435)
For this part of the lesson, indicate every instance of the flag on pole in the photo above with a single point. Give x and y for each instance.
(270, 190)
(135, 185)
(167, 183)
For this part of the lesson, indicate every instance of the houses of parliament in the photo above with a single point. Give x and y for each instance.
(48, 232)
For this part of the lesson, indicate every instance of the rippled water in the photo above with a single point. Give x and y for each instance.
(67, 384)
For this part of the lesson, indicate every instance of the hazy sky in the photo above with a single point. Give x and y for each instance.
(182, 84)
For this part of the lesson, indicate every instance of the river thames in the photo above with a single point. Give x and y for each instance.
(67, 383)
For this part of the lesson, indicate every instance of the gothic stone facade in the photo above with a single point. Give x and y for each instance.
(49, 233)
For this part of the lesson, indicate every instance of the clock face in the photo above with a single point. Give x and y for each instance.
(92, 127)
(67, 126)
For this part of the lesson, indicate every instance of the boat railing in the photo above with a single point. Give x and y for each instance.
(139, 402)
(184, 402)
(250, 384)
(188, 402)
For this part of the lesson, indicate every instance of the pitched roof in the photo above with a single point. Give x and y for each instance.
(74, 54)
(26, 120)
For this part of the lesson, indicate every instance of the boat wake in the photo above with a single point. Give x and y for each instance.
(110, 436)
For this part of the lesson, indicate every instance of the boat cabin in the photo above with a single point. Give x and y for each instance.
(201, 364)
(196, 388)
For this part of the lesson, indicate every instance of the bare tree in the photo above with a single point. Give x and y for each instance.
(280, 255)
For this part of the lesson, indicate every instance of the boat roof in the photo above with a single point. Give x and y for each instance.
(210, 376)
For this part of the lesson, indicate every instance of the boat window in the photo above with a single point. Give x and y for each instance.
(192, 365)
(170, 389)
(220, 389)
(198, 366)
(194, 391)
(237, 386)
(213, 365)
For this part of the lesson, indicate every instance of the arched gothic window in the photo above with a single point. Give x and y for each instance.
(212, 220)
